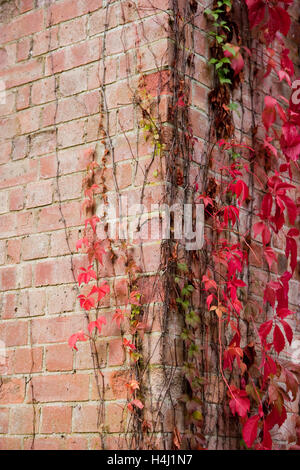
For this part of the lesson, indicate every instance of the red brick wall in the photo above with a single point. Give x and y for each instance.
(57, 59)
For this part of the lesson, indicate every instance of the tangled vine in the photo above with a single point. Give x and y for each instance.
(210, 292)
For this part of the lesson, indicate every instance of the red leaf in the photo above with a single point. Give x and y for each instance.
(288, 331)
(270, 256)
(240, 403)
(93, 222)
(119, 316)
(267, 440)
(128, 344)
(82, 241)
(80, 336)
(269, 112)
(236, 58)
(265, 329)
(240, 189)
(279, 20)
(138, 404)
(250, 430)
(86, 275)
(97, 324)
(209, 300)
(278, 339)
(100, 290)
(263, 229)
(209, 283)
(256, 10)
(86, 302)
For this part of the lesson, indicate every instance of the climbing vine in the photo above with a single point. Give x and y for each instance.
(211, 291)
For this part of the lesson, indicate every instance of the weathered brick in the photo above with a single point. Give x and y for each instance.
(67, 387)
(8, 278)
(73, 82)
(39, 194)
(72, 31)
(56, 419)
(23, 420)
(4, 420)
(59, 357)
(56, 329)
(12, 391)
(43, 91)
(13, 251)
(28, 360)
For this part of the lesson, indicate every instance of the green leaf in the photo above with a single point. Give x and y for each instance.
(182, 267)
(197, 415)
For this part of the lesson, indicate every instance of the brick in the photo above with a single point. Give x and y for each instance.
(67, 387)
(23, 97)
(24, 223)
(4, 419)
(115, 417)
(70, 134)
(29, 120)
(12, 391)
(23, 420)
(31, 303)
(118, 94)
(20, 147)
(79, 106)
(22, 26)
(73, 82)
(39, 194)
(95, 73)
(97, 20)
(56, 419)
(8, 278)
(72, 31)
(43, 91)
(28, 360)
(50, 217)
(54, 271)
(116, 352)
(74, 56)
(25, 279)
(49, 115)
(48, 166)
(2, 252)
(7, 225)
(66, 10)
(84, 359)
(19, 172)
(59, 357)
(43, 142)
(85, 418)
(23, 73)
(13, 251)
(14, 333)
(3, 202)
(10, 443)
(6, 148)
(9, 128)
(70, 186)
(45, 41)
(115, 384)
(59, 329)
(61, 245)
(25, 5)
(35, 246)
(23, 49)
(56, 443)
